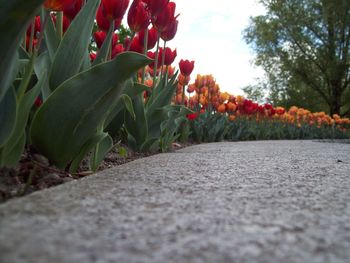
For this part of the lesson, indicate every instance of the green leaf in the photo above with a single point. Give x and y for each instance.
(128, 105)
(148, 145)
(8, 111)
(132, 90)
(12, 157)
(14, 18)
(102, 148)
(85, 149)
(71, 115)
(41, 66)
(51, 39)
(137, 128)
(72, 49)
(24, 106)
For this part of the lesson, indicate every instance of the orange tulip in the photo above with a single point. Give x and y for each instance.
(59, 5)
(221, 108)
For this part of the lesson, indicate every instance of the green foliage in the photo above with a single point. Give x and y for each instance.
(209, 127)
(70, 54)
(304, 43)
(14, 17)
(15, 97)
(70, 116)
(156, 121)
(12, 148)
(170, 127)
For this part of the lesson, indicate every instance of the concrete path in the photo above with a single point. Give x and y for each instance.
(277, 201)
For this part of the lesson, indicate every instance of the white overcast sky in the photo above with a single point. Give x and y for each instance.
(210, 32)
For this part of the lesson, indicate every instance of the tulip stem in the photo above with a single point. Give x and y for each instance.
(110, 50)
(145, 48)
(163, 59)
(156, 62)
(59, 25)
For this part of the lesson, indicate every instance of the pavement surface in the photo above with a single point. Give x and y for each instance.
(267, 201)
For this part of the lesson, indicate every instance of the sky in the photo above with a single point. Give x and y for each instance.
(210, 33)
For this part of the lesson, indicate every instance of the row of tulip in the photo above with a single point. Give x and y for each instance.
(239, 113)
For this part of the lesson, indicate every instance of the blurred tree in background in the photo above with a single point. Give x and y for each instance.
(303, 46)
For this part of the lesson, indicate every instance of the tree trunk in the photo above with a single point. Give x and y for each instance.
(335, 97)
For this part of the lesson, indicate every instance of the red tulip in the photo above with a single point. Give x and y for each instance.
(156, 6)
(92, 56)
(151, 39)
(186, 67)
(138, 16)
(135, 45)
(165, 18)
(34, 43)
(170, 31)
(114, 9)
(38, 101)
(100, 37)
(192, 116)
(58, 5)
(117, 50)
(37, 26)
(103, 23)
(152, 55)
(169, 56)
(71, 11)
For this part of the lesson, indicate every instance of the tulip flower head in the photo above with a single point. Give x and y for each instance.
(164, 19)
(139, 17)
(151, 39)
(170, 55)
(152, 55)
(71, 11)
(37, 27)
(186, 67)
(156, 6)
(117, 50)
(58, 5)
(170, 31)
(114, 9)
(135, 45)
(103, 23)
(100, 37)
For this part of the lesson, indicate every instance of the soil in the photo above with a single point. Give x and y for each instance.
(34, 172)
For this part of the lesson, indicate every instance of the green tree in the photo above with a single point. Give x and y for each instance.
(304, 45)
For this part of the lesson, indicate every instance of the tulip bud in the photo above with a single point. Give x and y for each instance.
(117, 50)
(156, 6)
(58, 5)
(100, 37)
(114, 9)
(151, 39)
(71, 11)
(186, 67)
(135, 45)
(164, 19)
(103, 23)
(169, 55)
(138, 16)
